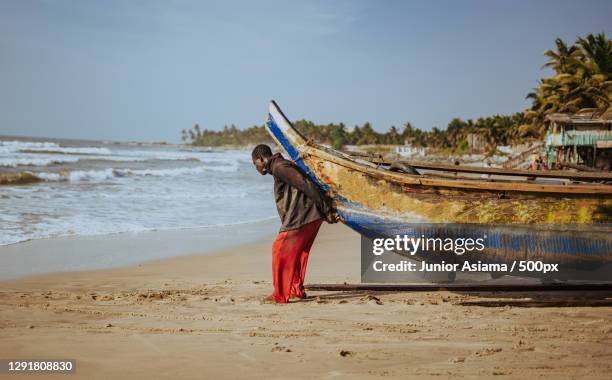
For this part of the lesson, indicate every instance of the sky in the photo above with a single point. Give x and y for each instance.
(144, 70)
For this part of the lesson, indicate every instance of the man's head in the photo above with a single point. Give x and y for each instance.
(260, 156)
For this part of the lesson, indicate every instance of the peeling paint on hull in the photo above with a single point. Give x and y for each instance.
(447, 205)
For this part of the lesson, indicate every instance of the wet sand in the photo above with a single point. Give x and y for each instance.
(201, 316)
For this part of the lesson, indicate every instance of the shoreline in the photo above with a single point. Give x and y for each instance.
(255, 253)
(113, 250)
(185, 316)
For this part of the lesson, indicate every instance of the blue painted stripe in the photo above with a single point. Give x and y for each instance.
(293, 152)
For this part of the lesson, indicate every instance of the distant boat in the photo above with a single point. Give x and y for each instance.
(553, 216)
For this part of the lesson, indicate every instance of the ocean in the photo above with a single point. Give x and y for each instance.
(85, 188)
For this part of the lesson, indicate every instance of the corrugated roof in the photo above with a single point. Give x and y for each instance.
(586, 117)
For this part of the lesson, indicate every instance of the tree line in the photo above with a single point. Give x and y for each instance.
(496, 130)
(581, 83)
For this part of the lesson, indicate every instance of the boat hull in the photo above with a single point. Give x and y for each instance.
(579, 251)
(565, 224)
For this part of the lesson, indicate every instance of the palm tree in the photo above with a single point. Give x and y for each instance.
(581, 81)
(337, 136)
(368, 135)
(597, 53)
(393, 137)
(562, 59)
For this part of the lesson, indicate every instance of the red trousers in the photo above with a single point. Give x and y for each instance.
(289, 259)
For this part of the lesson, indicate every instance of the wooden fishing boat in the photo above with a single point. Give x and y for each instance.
(559, 217)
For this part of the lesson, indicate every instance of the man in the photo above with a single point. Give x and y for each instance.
(302, 207)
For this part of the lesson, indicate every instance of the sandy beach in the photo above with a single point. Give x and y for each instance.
(201, 316)
(165, 167)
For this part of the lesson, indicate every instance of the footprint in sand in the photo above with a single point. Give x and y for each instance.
(279, 348)
(371, 299)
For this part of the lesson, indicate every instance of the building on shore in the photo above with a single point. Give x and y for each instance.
(410, 151)
(580, 140)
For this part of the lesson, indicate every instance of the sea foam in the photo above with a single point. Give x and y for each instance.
(110, 173)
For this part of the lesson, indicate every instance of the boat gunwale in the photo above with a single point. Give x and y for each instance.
(301, 146)
(582, 176)
(314, 149)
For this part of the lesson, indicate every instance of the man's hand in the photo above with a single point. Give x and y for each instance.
(332, 217)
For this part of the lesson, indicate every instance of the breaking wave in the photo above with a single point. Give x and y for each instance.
(16, 145)
(49, 189)
(67, 150)
(48, 148)
(12, 162)
(105, 175)
(24, 153)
